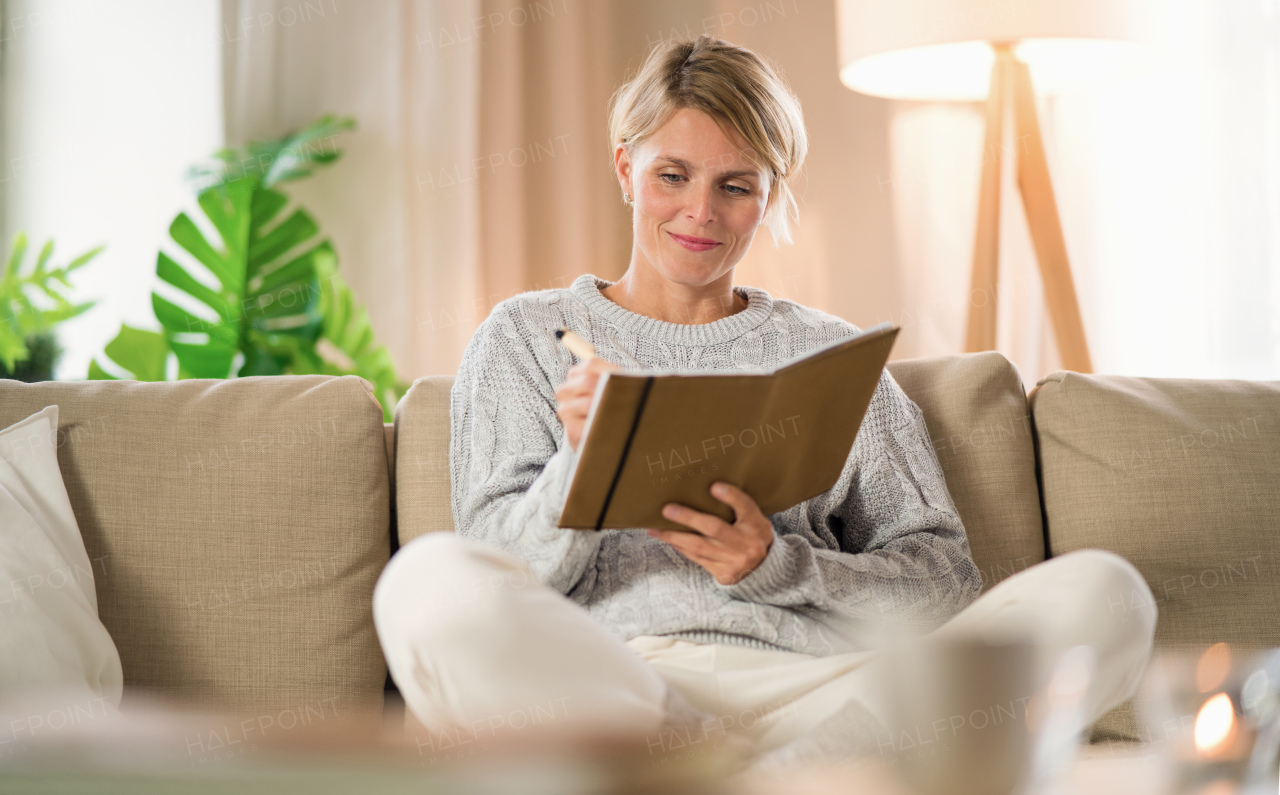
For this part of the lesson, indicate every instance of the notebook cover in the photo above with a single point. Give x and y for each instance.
(783, 436)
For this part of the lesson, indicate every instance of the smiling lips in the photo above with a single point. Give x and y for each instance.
(694, 243)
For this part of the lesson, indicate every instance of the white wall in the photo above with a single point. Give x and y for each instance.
(106, 104)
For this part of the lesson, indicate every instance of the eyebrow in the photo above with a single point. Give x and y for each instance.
(685, 165)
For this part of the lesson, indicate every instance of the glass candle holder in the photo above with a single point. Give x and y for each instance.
(1206, 713)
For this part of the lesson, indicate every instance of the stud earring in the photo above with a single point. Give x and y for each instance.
(626, 197)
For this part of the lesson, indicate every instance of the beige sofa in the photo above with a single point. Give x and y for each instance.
(237, 528)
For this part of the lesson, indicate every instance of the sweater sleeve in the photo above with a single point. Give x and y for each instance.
(903, 552)
(510, 463)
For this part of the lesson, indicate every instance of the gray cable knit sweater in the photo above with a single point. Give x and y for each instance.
(884, 543)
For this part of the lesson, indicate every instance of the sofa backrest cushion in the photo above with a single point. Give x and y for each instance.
(235, 528)
(423, 482)
(976, 411)
(973, 405)
(1180, 477)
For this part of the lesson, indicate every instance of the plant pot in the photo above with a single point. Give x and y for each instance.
(38, 366)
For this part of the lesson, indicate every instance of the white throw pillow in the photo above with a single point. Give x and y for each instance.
(52, 644)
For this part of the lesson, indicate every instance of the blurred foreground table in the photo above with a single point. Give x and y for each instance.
(170, 750)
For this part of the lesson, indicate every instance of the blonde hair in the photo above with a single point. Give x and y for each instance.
(728, 83)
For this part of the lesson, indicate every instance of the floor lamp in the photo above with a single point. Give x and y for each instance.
(956, 50)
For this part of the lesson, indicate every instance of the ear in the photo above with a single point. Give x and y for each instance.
(769, 202)
(622, 167)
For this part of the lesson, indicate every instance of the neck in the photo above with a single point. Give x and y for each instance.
(649, 294)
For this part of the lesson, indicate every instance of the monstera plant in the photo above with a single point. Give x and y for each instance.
(32, 302)
(260, 293)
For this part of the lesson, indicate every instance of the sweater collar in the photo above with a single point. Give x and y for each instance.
(586, 288)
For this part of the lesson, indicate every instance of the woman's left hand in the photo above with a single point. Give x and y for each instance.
(728, 551)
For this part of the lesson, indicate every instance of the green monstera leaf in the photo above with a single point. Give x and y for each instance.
(347, 346)
(268, 283)
(258, 290)
(262, 290)
(143, 354)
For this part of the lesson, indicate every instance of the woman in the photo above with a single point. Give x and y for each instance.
(762, 624)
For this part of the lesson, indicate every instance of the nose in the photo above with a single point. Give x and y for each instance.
(699, 210)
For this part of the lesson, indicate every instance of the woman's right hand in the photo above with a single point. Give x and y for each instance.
(573, 398)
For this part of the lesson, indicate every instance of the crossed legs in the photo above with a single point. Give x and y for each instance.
(477, 645)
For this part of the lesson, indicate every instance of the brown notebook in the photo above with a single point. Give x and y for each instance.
(782, 435)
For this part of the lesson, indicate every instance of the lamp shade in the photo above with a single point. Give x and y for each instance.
(940, 49)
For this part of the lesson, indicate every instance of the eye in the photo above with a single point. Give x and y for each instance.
(669, 182)
(742, 191)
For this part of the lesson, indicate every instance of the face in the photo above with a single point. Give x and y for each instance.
(697, 200)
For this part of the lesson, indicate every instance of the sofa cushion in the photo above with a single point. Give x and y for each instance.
(976, 412)
(973, 405)
(235, 530)
(1181, 478)
(423, 482)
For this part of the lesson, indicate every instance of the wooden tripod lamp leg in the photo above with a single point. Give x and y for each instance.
(981, 335)
(1046, 227)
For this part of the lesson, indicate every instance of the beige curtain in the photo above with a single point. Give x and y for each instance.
(481, 165)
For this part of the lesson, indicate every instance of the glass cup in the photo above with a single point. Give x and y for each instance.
(976, 716)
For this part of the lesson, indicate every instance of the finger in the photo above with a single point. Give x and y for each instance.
(579, 406)
(569, 403)
(706, 524)
(597, 365)
(571, 411)
(577, 398)
(589, 377)
(743, 506)
(693, 546)
(571, 388)
(579, 385)
(591, 381)
(585, 371)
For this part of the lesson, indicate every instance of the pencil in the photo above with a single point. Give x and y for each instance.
(577, 345)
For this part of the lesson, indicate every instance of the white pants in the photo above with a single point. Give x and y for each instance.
(478, 646)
